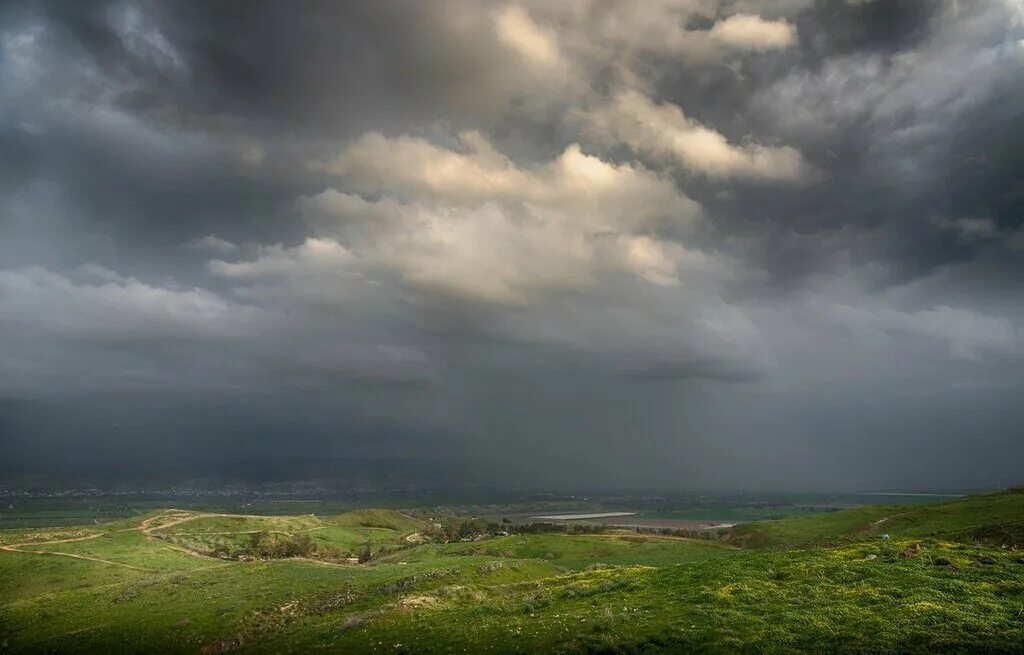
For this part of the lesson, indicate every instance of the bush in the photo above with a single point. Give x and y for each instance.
(365, 555)
(264, 545)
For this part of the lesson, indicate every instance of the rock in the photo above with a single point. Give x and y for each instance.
(987, 561)
(1020, 560)
(942, 561)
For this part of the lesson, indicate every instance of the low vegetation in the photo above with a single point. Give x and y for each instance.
(996, 519)
(946, 577)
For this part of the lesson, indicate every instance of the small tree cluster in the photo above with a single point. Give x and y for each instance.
(265, 545)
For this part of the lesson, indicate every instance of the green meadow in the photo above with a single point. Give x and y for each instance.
(937, 578)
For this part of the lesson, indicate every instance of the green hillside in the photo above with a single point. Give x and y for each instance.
(827, 583)
(333, 537)
(577, 552)
(820, 600)
(996, 519)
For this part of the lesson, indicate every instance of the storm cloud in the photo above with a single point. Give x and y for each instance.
(682, 244)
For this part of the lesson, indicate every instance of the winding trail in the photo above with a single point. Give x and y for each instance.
(868, 527)
(153, 524)
(17, 548)
(886, 518)
(145, 527)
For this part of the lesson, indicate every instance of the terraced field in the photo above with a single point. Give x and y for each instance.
(830, 583)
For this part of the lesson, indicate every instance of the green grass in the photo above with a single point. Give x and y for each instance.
(823, 583)
(808, 530)
(27, 576)
(379, 518)
(991, 518)
(48, 534)
(996, 519)
(575, 552)
(349, 533)
(224, 524)
(182, 611)
(128, 548)
(820, 600)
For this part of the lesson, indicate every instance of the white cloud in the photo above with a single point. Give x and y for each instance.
(213, 243)
(272, 261)
(538, 46)
(119, 308)
(613, 33)
(472, 222)
(750, 32)
(157, 337)
(94, 271)
(966, 333)
(600, 192)
(320, 270)
(663, 131)
(492, 251)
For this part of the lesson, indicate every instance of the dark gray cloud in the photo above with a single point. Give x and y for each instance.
(706, 244)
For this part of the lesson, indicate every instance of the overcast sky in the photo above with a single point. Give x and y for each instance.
(666, 244)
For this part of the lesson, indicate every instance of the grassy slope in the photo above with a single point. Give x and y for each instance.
(37, 534)
(508, 594)
(379, 518)
(809, 530)
(349, 532)
(221, 524)
(818, 600)
(576, 552)
(996, 518)
(26, 576)
(129, 548)
(234, 602)
(991, 518)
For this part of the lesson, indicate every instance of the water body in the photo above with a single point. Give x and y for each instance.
(577, 517)
(911, 495)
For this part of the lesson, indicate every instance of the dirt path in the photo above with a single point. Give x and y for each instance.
(874, 524)
(16, 548)
(413, 538)
(85, 557)
(886, 518)
(145, 527)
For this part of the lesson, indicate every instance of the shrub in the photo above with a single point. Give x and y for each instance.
(264, 545)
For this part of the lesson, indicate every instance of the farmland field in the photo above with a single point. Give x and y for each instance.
(941, 577)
